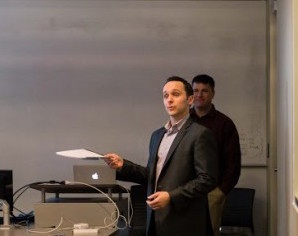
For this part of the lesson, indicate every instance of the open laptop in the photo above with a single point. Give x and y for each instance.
(94, 174)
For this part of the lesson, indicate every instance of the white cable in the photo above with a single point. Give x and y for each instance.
(129, 207)
(49, 231)
(113, 223)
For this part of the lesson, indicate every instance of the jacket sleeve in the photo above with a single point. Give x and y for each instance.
(133, 173)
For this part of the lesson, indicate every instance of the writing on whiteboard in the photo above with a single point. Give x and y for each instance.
(252, 147)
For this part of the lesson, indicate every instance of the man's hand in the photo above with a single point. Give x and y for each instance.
(113, 160)
(158, 200)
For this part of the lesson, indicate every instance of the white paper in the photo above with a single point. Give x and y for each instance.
(80, 154)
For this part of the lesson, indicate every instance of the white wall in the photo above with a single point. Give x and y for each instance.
(294, 222)
(287, 78)
(89, 74)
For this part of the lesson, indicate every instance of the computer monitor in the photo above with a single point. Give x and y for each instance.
(6, 189)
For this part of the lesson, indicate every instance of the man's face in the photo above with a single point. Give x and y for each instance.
(175, 99)
(203, 95)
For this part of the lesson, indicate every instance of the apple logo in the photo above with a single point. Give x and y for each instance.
(95, 176)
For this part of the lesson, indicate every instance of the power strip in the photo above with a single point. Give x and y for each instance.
(85, 232)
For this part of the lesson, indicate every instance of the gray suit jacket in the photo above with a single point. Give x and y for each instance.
(188, 174)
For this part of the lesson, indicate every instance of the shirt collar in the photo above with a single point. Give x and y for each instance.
(175, 127)
(211, 112)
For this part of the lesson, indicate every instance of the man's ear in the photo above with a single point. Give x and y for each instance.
(190, 100)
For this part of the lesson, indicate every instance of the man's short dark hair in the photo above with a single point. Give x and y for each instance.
(187, 85)
(204, 79)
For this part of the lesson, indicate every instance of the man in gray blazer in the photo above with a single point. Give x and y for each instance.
(181, 170)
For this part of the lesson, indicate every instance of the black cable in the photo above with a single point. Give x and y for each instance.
(25, 188)
(40, 182)
(19, 210)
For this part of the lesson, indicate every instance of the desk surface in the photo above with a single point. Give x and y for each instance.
(13, 232)
(24, 232)
(77, 188)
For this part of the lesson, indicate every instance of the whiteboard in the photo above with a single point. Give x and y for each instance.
(89, 74)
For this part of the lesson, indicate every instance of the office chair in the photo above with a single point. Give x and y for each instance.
(238, 210)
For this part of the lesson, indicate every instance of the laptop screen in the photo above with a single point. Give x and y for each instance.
(94, 174)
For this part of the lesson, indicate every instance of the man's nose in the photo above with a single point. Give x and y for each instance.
(170, 99)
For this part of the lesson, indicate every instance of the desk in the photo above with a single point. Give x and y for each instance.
(58, 189)
(13, 232)
(76, 188)
(24, 232)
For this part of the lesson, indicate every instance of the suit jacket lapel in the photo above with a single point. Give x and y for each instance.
(154, 151)
(156, 144)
